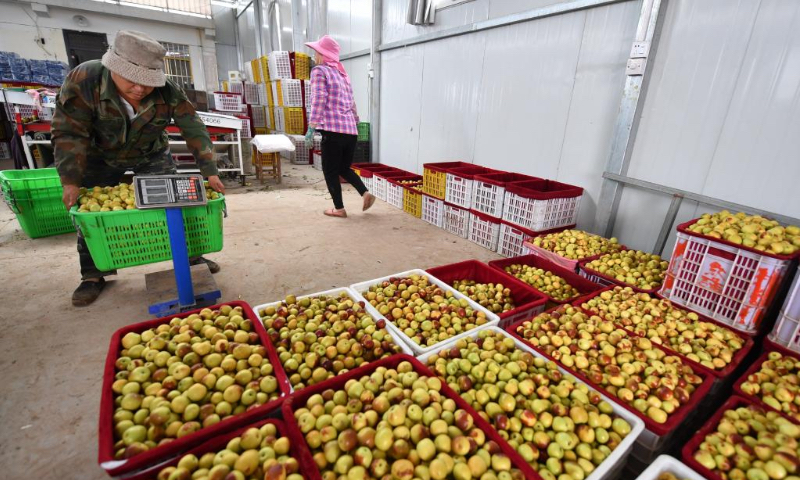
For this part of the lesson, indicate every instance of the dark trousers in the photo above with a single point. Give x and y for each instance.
(98, 174)
(337, 156)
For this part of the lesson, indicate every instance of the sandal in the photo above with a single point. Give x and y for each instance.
(369, 199)
(332, 212)
(87, 292)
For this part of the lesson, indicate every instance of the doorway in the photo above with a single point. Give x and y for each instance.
(84, 46)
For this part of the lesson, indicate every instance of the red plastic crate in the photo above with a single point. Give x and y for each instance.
(299, 399)
(489, 191)
(459, 184)
(219, 443)
(710, 427)
(105, 455)
(737, 359)
(769, 346)
(603, 279)
(528, 301)
(512, 238)
(658, 429)
(730, 283)
(586, 289)
(541, 204)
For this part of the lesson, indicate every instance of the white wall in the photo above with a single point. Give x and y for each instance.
(722, 115)
(538, 97)
(18, 32)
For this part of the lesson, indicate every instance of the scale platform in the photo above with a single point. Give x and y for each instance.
(162, 291)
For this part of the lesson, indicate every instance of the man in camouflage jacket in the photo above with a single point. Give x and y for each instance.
(111, 116)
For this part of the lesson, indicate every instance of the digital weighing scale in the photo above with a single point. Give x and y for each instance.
(184, 287)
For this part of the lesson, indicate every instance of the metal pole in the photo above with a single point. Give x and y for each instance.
(238, 41)
(666, 227)
(180, 257)
(638, 69)
(375, 80)
(259, 37)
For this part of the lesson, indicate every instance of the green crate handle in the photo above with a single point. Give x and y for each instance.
(8, 197)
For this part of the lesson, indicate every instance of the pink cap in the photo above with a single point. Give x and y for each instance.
(327, 47)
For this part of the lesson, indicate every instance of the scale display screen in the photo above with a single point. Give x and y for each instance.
(169, 191)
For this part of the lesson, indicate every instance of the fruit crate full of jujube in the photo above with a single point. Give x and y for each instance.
(363, 291)
(730, 282)
(128, 238)
(193, 460)
(35, 198)
(298, 414)
(688, 385)
(607, 467)
(771, 380)
(774, 436)
(119, 372)
(527, 302)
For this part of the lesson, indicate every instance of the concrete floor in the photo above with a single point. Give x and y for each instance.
(277, 242)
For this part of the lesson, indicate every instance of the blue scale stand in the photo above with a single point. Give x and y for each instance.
(184, 287)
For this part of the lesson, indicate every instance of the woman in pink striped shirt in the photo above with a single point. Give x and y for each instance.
(333, 113)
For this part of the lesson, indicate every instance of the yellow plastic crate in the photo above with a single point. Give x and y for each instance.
(261, 131)
(271, 112)
(256, 66)
(434, 183)
(277, 94)
(302, 66)
(225, 86)
(412, 201)
(270, 100)
(295, 121)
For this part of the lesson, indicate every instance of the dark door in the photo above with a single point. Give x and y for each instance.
(84, 46)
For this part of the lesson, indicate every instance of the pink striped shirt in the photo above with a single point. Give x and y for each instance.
(332, 106)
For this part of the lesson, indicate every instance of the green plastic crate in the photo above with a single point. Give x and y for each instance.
(363, 131)
(35, 197)
(129, 238)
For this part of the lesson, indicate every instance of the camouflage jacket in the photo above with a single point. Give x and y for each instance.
(91, 129)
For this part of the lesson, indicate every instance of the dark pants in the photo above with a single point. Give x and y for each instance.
(98, 174)
(337, 156)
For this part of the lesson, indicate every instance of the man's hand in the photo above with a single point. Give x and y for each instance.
(70, 195)
(216, 184)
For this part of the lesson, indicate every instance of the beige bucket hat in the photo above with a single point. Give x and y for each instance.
(137, 57)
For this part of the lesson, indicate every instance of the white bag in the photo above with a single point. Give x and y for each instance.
(272, 143)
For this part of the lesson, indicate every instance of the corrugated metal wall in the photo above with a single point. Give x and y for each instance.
(722, 115)
(538, 97)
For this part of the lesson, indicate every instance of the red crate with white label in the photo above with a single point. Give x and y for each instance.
(730, 283)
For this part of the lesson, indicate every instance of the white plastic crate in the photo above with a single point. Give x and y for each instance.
(292, 91)
(459, 190)
(787, 328)
(433, 210)
(363, 287)
(729, 284)
(317, 155)
(379, 187)
(263, 96)
(488, 198)
(26, 111)
(394, 194)
(484, 230)
(228, 102)
(280, 119)
(540, 214)
(307, 90)
(667, 464)
(236, 87)
(509, 243)
(394, 332)
(455, 220)
(611, 467)
(247, 131)
(258, 116)
(279, 65)
(367, 181)
(251, 93)
(248, 71)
